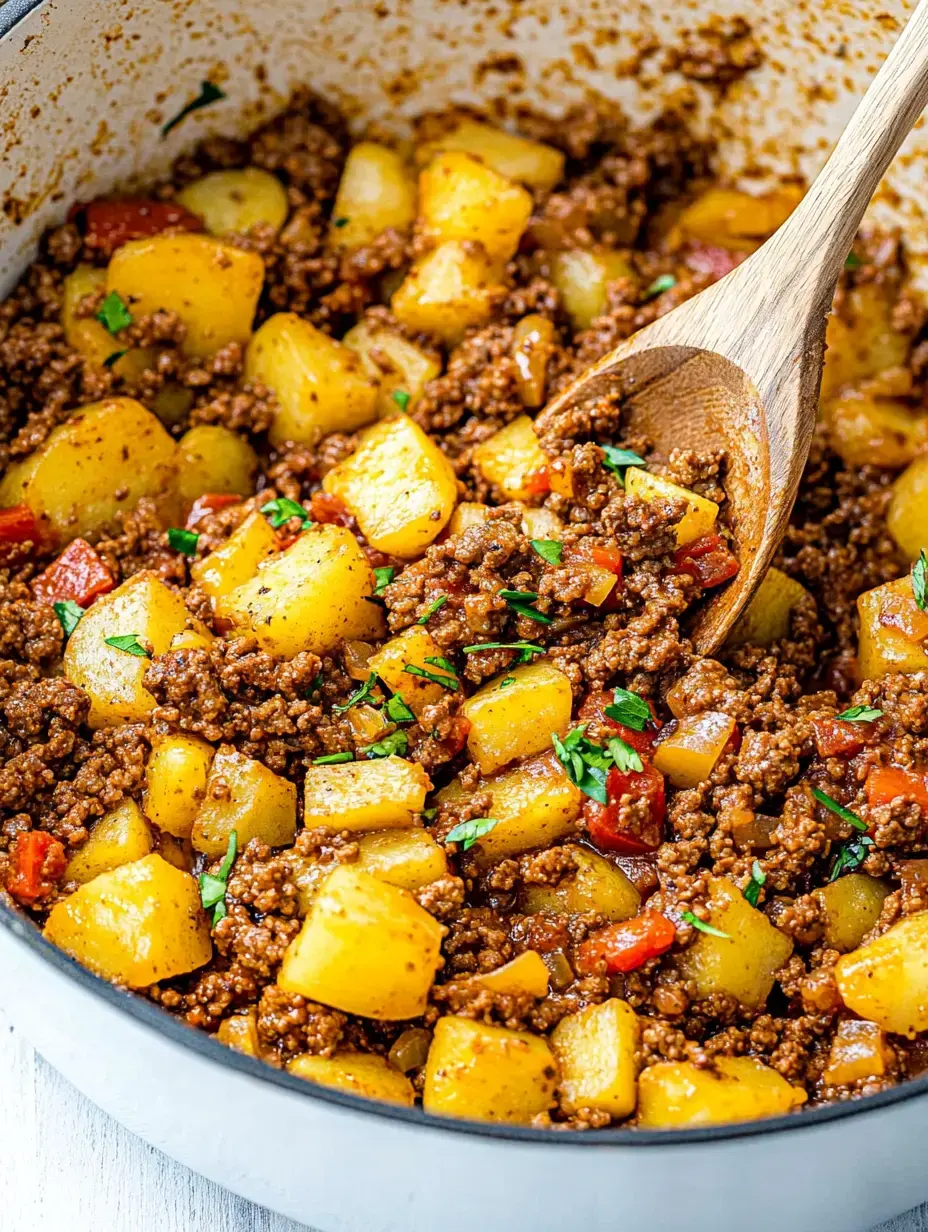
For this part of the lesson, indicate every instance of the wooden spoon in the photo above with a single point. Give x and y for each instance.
(739, 366)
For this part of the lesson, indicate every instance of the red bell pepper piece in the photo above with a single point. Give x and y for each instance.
(77, 574)
(708, 560)
(602, 820)
(212, 502)
(108, 224)
(18, 525)
(328, 508)
(628, 945)
(887, 783)
(835, 738)
(536, 482)
(37, 864)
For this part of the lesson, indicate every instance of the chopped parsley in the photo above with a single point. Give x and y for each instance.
(838, 809)
(213, 888)
(753, 888)
(382, 578)
(852, 261)
(209, 93)
(334, 759)
(446, 682)
(432, 609)
(859, 714)
(183, 540)
(395, 744)
(397, 711)
(507, 681)
(703, 927)
(629, 709)
(429, 814)
(440, 661)
(340, 222)
(851, 854)
(525, 649)
(281, 510)
(920, 581)
(69, 615)
(114, 313)
(550, 550)
(586, 763)
(468, 832)
(359, 695)
(114, 358)
(128, 642)
(662, 283)
(619, 460)
(522, 603)
(401, 398)
(625, 757)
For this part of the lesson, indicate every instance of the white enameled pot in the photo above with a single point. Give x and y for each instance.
(84, 89)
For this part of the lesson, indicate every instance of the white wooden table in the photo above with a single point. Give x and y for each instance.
(67, 1167)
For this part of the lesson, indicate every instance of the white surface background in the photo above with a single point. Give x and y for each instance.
(66, 1167)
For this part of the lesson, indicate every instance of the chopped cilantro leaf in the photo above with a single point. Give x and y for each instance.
(703, 927)
(446, 682)
(838, 809)
(339, 222)
(184, 541)
(429, 814)
(281, 510)
(359, 695)
(69, 615)
(662, 283)
(432, 609)
(128, 642)
(113, 359)
(401, 398)
(549, 550)
(333, 759)
(468, 832)
(213, 888)
(507, 681)
(209, 93)
(629, 709)
(753, 888)
(382, 578)
(859, 714)
(395, 744)
(851, 854)
(525, 649)
(114, 313)
(397, 711)
(522, 603)
(852, 261)
(586, 763)
(619, 460)
(920, 581)
(625, 757)
(440, 661)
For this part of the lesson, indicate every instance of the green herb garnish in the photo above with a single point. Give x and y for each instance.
(401, 398)
(468, 832)
(703, 927)
(382, 578)
(213, 888)
(851, 854)
(432, 609)
(429, 814)
(525, 649)
(629, 709)
(446, 682)
(619, 460)
(838, 809)
(625, 757)
(209, 93)
(359, 695)
(69, 615)
(920, 581)
(183, 540)
(586, 763)
(114, 313)
(128, 642)
(114, 358)
(550, 550)
(339, 222)
(281, 510)
(397, 711)
(334, 759)
(662, 283)
(507, 681)
(440, 661)
(522, 601)
(752, 889)
(859, 714)
(395, 744)
(852, 261)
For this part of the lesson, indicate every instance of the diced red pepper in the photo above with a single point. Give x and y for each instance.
(608, 558)
(37, 864)
(628, 945)
(77, 574)
(733, 743)
(708, 560)
(835, 738)
(212, 502)
(887, 783)
(536, 482)
(18, 525)
(325, 507)
(108, 224)
(603, 822)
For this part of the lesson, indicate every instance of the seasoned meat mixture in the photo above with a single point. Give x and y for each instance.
(347, 706)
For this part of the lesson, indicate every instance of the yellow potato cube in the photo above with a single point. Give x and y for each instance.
(517, 721)
(359, 1073)
(70, 481)
(409, 859)
(90, 336)
(596, 1054)
(907, 515)
(240, 1032)
(376, 191)
(851, 907)
(461, 198)
(366, 947)
(860, 341)
(886, 980)
(175, 782)
(320, 385)
(135, 925)
(872, 431)
(743, 963)
(211, 458)
(542, 524)
(448, 290)
(385, 794)
(893, 631)
(244, 796)
(766, 619)
(513, 460)
(859, 1051)
(237, 561)
(192, 639)
(738, 220)
(399, 485)
(212, 286)
(532, 347)
(700, 515)
(310, 597)
(689, 754)
(119, 837)
(524, 974)
(488, 1073)
(679, 1095)
(410, 648)
(583, 275)
(232, 202)
(111, 677)
(597, 885)
(519, 158)
(400, 367)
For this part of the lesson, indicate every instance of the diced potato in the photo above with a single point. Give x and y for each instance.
(367, 722)
(410, 648)
(851, 907)
(513, 460)
(448, 290)
(232, 202)
(738, 220)
(320, 385)
(70, 481)
(384, 794)
(244, 796)
(309, 597)
(398, 366)
(859, 1051)
(399, 485)
(409, 859)
(136, 925)
(519, 158)
(461, 198)
(176, 851)
(488, 1073)
(532, 347)
(886, 980)
(745, 962)
(175, 782)
(366, 947)
(596, 1054)
(689, 754)
(212, 286)
(892, 631)
(211, 458)
(237, 561)
(597, 885)
(871, 431)
(171, 403)
(680, 1095)
(524, 974)
(240, 1032)
(700, 515)
(466, 515)
(517, 721)
(583, 275)
(192, 639)
(376, 191)
(90, 336)
(541, 523)
(535, 804)
(112, 678)
(907, 515)
(119, 837)
(359, 1073)
(766, 619)
(860, 339)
